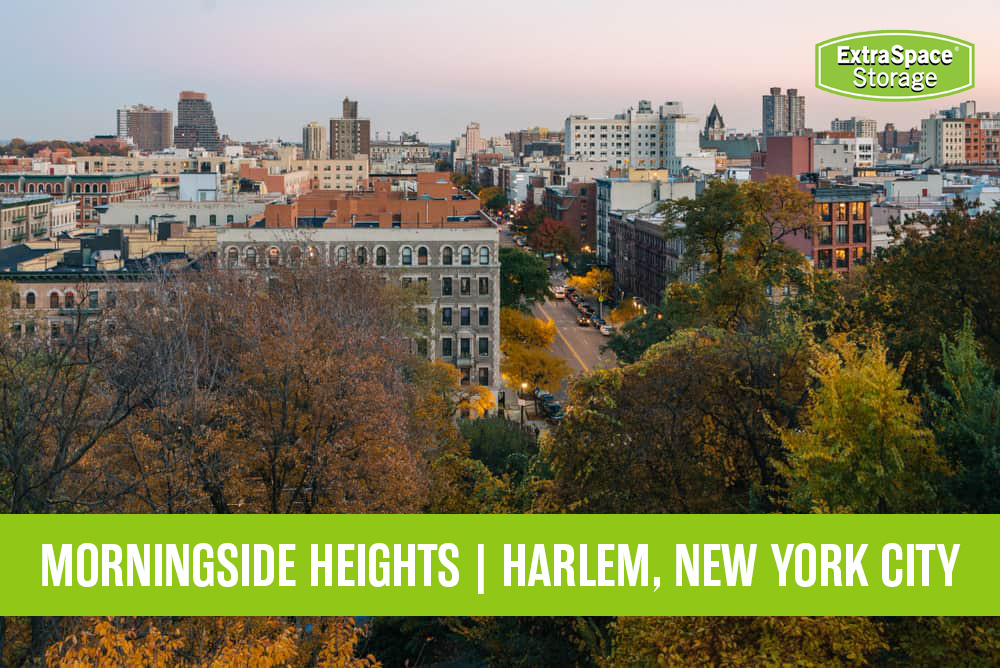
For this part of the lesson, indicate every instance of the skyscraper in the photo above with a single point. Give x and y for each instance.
(151, 129)
(350, 135)
(783, 114)
(196, 123)
(313, 141)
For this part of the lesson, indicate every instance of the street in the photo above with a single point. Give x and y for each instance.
(579, 346)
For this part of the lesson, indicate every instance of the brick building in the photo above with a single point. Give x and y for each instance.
(841, 237)
(93, 192)
(574, 204)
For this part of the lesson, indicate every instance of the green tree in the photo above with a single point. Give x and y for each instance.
(861, 447)
(524, 278)
(966, 421)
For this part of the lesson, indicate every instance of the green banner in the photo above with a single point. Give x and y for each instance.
(500, 565)
(895, 65)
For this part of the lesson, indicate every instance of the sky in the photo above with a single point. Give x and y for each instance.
(432, 66)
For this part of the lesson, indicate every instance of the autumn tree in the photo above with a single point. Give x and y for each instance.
(862, 447)
(533, 367)
(595, 284)
(519, 327)
(555, 237)
(628, 310)
(524, 278)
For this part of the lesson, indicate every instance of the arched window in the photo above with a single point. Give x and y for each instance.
(484, 255)
(422, 256)
(86, 188)
(233, 257)
(29, 300)
(294, 256)
(251, 255)
(407, 256)
(342, 254)
(31, 187)
(380, 256)
(447, 256)
(466, 255)
(104, 188)
(15, 299)
(362, 255)
(312, 255)
(69, 301)
(54, 300)
(273, 256)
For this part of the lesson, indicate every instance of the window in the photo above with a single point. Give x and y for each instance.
(841, 255)
(484, 285)
(29, 328)
(484, 375)
(484, 346)
(484, 255)
(860, 233)
(92, 299)
(824, 259)
(446, 317)
(15, 300)
(29, 300)
(422, 347)
(466, 286)
(407, 256)
(362, 255)
(294, 256)
(466, 255)
(465, 318)
(422, 256)
(446, 256)
(842, 234)
(111, 298)
(841, 210)
(232, 257)
(54, 329)
(69, 300)
(825, 235)
(192, 220)
(342, 254)
(229, 219)
(380, 256)
(860, 256)
(422, 316)
(251, 257)
(211, 219)
(465, 347)
(407, 281)
(484, 316)
(273, 256)
(54, 300)
(446, 286)
(446, 349)
(858, 210)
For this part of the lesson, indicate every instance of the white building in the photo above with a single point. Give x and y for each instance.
(942, 140)
(639, 138)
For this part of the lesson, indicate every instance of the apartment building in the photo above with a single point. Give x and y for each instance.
(840, 239)
(196, 125)
(783, 114)
(574, 204)
(349, 135)
(942, 140)
(25, 218)
(158, 163)
(639, 138)
(314, 145)
(857, 127)
(451, 260)
(91, 192)
(149, 128)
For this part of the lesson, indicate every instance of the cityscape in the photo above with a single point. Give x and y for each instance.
(630, 310)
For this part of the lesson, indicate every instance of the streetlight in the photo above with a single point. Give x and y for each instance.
(524, 390)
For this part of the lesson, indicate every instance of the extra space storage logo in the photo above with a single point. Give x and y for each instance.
(895, 65)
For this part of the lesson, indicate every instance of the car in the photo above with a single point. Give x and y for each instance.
(583, 321)
(607, 330)
(552, 407)
(596, 320)
(559, 293)
(542, 395)
(570, 289)
(572, 298)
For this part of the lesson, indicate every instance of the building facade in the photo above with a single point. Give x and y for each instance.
(92, 193)
(858, 127)
(575, 205)
(840, 239)
(783, 114)
(350, 136)
(314, 142)
(149, 128)
(196, 125)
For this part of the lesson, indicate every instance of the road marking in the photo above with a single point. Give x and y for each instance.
(569, 345)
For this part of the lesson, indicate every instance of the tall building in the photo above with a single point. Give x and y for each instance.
(350, 135)
(313, 141)
(783, 114)
(196, 123)
(151, 129)
(715, 126)
(859, 127)
(640, 138)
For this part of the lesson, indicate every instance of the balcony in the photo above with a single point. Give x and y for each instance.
(463, 360)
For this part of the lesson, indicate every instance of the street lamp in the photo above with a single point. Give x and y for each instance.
(524, 390)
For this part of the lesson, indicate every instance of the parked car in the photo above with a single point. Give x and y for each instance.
(542, 395)
(596, 320)
(552, 407)
(570, 290)
(572, 298)
(607, 330)
(583, 321)
(559, 293)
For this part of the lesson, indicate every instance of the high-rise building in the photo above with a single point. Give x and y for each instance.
(151, 129)
(783, 114)
(859, 127)
(196, 123)
(313, 141)
(350, 135)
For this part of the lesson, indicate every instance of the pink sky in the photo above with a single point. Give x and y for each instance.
(432, 66)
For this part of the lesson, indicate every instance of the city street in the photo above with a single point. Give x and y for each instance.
(579, 346)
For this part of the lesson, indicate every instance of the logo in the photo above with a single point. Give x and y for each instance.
(895, 65)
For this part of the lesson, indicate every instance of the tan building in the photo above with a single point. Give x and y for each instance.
(326, 174)
(157, 164)
(314, 142)
(151, 129)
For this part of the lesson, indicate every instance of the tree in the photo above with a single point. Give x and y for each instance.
(596, 284)
(519, 327)
(554, 236)
(861, 447)
(533, 367)
(744, 641)
(524, 278)
(628, 310)
(966, 422)
(492, 198)
(529, 218)
(939, 269)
